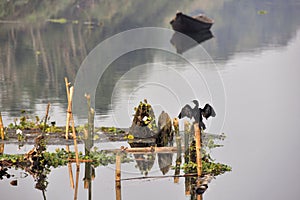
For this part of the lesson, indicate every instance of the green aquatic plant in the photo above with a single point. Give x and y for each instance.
(61, 157)
(112, 129)
(26, 122)
(208, 167)
(262, 12)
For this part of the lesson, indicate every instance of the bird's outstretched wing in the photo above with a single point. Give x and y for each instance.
(208, 111)
(186, 111)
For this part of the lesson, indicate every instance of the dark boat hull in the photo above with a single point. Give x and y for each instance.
(184, 23)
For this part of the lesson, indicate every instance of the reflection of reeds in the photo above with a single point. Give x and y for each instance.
(70, 169)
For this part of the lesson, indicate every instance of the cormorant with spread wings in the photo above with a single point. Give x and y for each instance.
(197, 113)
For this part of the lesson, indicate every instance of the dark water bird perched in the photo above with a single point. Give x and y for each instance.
(197, 113)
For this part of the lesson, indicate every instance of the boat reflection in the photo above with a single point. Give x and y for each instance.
(187, 40)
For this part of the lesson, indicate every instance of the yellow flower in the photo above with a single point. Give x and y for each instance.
(130, 137)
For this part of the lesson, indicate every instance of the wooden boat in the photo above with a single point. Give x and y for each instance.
(185, 23)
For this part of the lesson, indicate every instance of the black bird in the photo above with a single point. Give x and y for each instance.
(197, 113)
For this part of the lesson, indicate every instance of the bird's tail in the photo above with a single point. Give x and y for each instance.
(179, 116)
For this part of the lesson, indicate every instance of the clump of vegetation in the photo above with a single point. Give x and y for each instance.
(26, 122)
(112, 130)
(209, 166)
(29, 122)
(61, 157)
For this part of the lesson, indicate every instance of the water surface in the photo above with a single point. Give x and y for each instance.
(256, 56)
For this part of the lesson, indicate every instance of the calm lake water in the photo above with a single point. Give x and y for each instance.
(248, 71)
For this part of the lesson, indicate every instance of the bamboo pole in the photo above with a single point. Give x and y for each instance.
(186, 134)
(118, 177)
(89, 133)
(118, 167)
(178, 145)
(77, 181)
(148, 150)
(80, 161)
(199, 196)
(46, 117)
(69, 108)
(1, 128)
(198, 148)
(70, 170)
(73, 127)
(186, 141)
(187, 184)
(164, 176)
(176, 125)
(1, 149)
